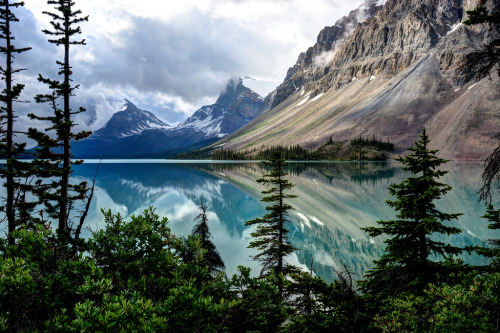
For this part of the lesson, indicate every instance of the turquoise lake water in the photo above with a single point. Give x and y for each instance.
(335, 199)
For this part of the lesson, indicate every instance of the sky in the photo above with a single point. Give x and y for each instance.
(168, 57)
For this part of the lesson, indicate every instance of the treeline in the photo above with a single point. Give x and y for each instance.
(229, 155)
(372, 142)
(363, 149)
(289, 153)
(296, 153)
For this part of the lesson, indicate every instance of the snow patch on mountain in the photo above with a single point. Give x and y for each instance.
(454, 27)
(204, 121)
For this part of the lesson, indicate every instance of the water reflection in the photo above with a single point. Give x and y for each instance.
(335, 201)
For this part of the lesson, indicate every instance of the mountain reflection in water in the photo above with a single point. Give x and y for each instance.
(335, 199)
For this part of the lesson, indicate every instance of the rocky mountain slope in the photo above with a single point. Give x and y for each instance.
(387, 69)
(132, 132)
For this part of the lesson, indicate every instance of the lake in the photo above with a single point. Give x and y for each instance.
(335, 199)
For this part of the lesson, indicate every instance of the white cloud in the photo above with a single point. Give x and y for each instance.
(172, 57)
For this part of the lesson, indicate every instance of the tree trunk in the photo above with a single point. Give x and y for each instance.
(10, 124)
(280, 260)
(63, 213)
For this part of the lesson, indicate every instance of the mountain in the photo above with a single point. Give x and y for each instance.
(235, 107)
(129, 121)
(133, 133)
(388, 69)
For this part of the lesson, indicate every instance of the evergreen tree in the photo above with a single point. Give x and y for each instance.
(271, 236)
(493, 251)
(406, 264)
(8, 148)
(478, 64)
(212, 257)
(54, 154)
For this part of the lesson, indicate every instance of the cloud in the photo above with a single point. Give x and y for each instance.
(169, 57)
(190, 57)
(324, 58)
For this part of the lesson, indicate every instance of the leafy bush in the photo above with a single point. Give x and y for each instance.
(472, 306)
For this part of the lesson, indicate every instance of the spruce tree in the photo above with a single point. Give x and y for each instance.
(8, 148)
(54, 154)
(493, 251)
(212, 257)
(271, 236)
(407, 263)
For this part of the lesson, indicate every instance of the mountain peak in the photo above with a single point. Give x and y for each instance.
(128, 104)
(235, 91)
(130, 120)
(235, 107)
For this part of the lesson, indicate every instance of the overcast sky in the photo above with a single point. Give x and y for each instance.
(170, 57)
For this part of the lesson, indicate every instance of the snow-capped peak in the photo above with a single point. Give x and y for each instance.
(129, 121)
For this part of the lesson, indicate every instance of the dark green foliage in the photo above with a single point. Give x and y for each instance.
(143, 254)
(406, 264)
(288, 153)
(370, 149)
(258, 306)
(197, 154)
(372, 142)
(478, 64)
(493, 251)
(38, 278)
(227, 154)
(322, 307)
(211, 257)
(491, 174)
(133, 278)
(271, 236)
(470, 306)
(53, 155)
(359, 149)
(17, 210)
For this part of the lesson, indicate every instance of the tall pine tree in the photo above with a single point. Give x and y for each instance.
(8, 148)
(54, 154)
(212, 257)
(407, 264)
(271, 236)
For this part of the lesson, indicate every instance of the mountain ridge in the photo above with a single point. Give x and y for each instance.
(135, 133)
(394, 75)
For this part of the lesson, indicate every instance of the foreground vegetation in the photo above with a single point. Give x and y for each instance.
(136, 276)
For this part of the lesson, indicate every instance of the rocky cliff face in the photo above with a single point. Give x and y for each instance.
(395, 74)
(313, 64)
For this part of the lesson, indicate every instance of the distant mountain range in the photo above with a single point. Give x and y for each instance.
(388, 69)
(132, 132)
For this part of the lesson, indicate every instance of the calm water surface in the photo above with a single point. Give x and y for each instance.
(335, 199)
